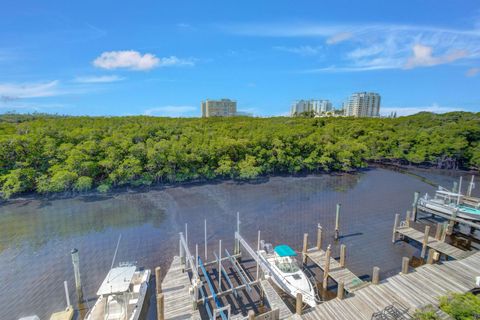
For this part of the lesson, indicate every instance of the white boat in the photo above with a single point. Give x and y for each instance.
(121, 295)
(281, 266)
(449, 203)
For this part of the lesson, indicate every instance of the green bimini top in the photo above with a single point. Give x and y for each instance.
(284, 251)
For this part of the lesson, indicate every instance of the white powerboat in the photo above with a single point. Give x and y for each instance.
(281, 266)
(121, 295)
(450, 203)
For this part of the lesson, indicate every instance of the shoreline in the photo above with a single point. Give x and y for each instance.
(405, 169)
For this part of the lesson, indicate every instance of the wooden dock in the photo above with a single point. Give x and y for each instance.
(404, 291)
(433, 243)
(175, 288)
(274, 300)
(336, 272)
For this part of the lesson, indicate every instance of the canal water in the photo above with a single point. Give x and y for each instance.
(36, 236)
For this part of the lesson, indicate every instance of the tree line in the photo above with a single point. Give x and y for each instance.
(46, 154)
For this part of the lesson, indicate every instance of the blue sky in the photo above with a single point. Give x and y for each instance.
(163, 58)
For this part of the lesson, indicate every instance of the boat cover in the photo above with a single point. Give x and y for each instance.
(284, 251)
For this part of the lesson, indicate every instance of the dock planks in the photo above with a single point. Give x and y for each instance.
(177, 298)
(433, 243)
(274, 300)
(410, 291)
(337, 272)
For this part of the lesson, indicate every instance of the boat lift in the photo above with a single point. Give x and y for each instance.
(198, 267)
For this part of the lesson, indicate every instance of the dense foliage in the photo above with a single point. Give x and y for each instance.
(54, 154)
(461, 306)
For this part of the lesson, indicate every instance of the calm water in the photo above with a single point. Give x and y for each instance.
(36, 236)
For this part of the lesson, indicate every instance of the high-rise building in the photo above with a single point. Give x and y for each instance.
(219, 108)
(316, 106)
(363, 104)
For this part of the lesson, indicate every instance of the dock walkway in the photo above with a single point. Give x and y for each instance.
(175, 288)
(336, 272)
(433, 243)
(274, 300)
(410, 291)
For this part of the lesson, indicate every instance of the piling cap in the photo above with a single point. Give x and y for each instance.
(74, 250)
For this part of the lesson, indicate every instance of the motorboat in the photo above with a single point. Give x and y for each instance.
(122, 294)
(450, 203)
(280, 264)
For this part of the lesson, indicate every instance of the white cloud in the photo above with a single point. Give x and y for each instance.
(134, 60)
(301, 50)
(422, 57)
(169, 111)
(472, 72)
(29, 90)
(98, 79)
(126, 59)
(405, 111)
(339, 37)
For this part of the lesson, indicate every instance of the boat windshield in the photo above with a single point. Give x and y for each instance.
(287, 265)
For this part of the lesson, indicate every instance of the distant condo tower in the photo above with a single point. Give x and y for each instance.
(363, 104)
(219, 108)
(317, 106)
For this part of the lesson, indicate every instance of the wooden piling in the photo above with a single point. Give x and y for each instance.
(343, 249)
(319, 237)
(340, 290)
(451, 223)
(337, 222)
(376, 275)
(444, 233)
(425, 241)
(305, 247)
(299, 304)
(416, 195)
(395, 224)
(407, 218)
(76, 271)
(251, 315)
(326, 268)
(438, 231)
(157, 280)
(405, 262)
(195, 294)
(431, 254)
(160, 307)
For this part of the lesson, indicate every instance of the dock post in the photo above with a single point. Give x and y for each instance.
(319, 237)
(438, 231)
(326, 268)
(451, 223)
(337, 222)
(405, 262)
(195, 295)
(416, 195)
(205, 227)
(340, 290)
(299, 304)
(76, 270)
(471, 186)
(181, 249)
(455, 187)
(425, 241)
(407, 218)
(186, 234)
(445, 230)
(343, 249)
(376, 275)
(251, 315)
(196, 258)
(258, 249)
(395, 224)
(67, 294)
(160, 307)
(157, 279)
(220, 265)
(431, 253)
(305, 247)
(236, 249)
